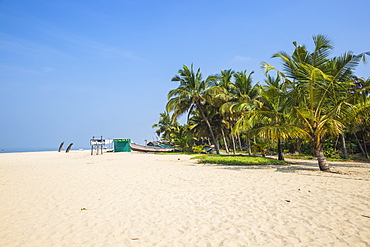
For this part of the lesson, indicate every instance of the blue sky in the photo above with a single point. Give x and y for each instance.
(73, 69)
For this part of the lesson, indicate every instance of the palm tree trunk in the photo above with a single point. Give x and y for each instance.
(365, 148)
(223, 136)
(233, 140)
(323, 164)
(209, 127)
(240, 143)
(345, 152)
(280, 151)
(359, 144)
(298, 146)
(249, 146)
(313, 148)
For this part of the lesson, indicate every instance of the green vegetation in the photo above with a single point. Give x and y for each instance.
(177, 153)
(240, 160)
(315, 106)
(301, 156)
(310, 157)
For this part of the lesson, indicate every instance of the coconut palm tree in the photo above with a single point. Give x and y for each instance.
(223, 93)
(236, 95)
(317, 82)
(165, 125)
(245, 92)
(190, 95)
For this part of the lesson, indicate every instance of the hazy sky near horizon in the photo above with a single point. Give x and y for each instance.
(73, 69)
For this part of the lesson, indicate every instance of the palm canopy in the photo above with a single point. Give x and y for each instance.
(190, 93)
(224, 80)
(241, 94)
(356, 116)
(243, 83)
(164, 125)
(271, 119)
(319, 85)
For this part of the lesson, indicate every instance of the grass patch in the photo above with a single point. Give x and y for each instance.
(176, 153)
(238, 160)
(300, 156)
(310, 157)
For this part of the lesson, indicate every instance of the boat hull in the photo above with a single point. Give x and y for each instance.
(141, 148)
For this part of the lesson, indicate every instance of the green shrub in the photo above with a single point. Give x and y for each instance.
(301, 156)
(238, 160)
(330, 152)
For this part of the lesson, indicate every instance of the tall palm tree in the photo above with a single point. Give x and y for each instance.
(317, 82)
(245, 91)
(237, 95)
(190, 95)
(222, 93)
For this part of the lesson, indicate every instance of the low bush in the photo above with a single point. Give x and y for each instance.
(240, 160)
(301, 156)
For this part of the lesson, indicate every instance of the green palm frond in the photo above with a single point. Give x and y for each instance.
(330, 126)
(280, 132)
(323, 48)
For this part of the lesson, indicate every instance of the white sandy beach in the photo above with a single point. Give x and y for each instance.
(132, 199)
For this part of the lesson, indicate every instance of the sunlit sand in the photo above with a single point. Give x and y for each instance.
(134, 199)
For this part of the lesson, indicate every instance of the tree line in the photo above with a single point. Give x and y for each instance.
(313, 105)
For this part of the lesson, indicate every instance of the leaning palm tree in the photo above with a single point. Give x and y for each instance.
(317, 82)
(199, 128)
(190, 95)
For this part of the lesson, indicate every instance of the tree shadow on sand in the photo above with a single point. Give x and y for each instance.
(345, 170)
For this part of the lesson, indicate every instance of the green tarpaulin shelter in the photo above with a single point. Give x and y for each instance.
(122, 145)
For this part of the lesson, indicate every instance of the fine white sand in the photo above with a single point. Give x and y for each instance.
(133, 199)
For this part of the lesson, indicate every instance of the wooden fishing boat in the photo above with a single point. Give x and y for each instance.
(141, 148)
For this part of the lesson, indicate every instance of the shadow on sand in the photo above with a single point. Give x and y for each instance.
(343, 170)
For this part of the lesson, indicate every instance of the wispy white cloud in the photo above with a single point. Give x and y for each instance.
(12, 44)
(6, 69)
(110, 50)
(239, 58)
(48, 69)
(72, 42)
(80, 43)
(59, 42)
